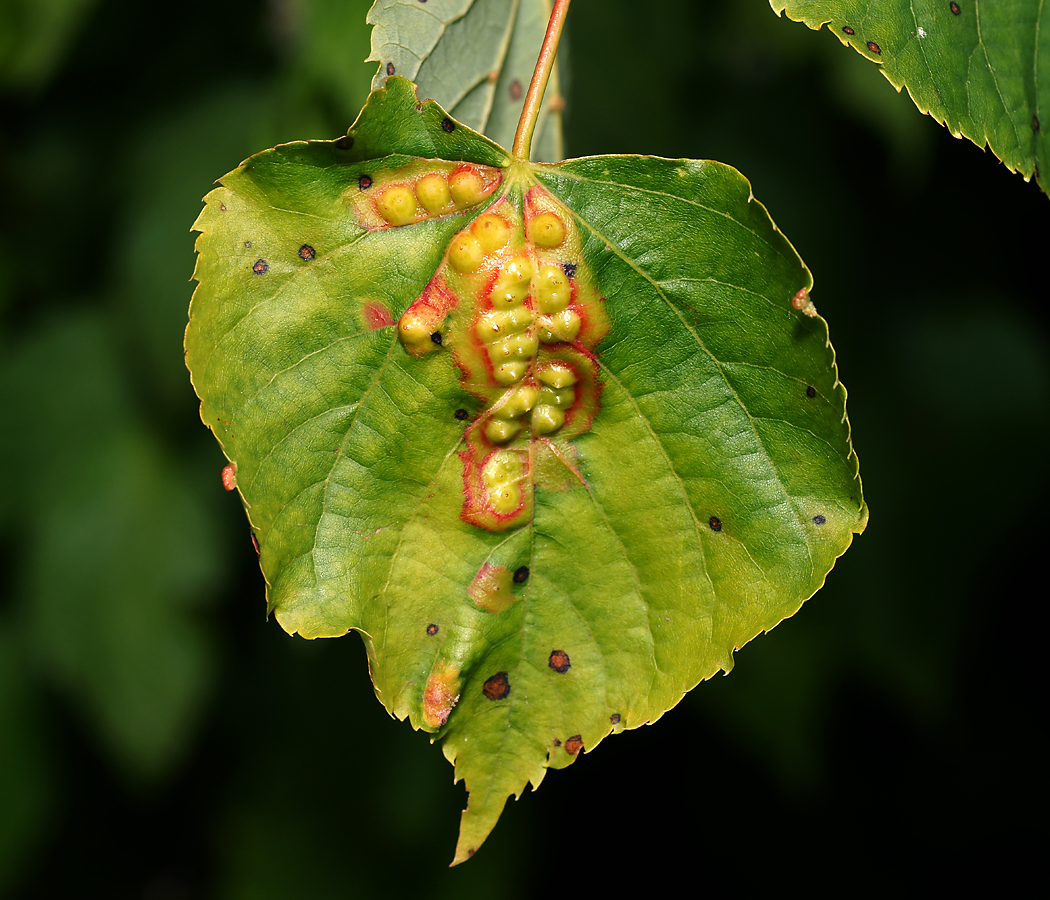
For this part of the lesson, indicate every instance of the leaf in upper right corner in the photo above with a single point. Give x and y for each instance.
(475, 58)
(973, 66)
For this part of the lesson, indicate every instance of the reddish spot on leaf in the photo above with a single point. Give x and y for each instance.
(261, 267)
(491, 589)
(848, 30)
(255, 543)
(559, 661)
(377, 316)
(307, 252)
(364, 182)
(874, 48)
(515, 90)
(440, 695)
(574, 745)
(497, 687)
(954, 7)
(229, 477)
(432, 629)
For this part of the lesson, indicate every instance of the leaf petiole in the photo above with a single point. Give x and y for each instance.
(534, 98)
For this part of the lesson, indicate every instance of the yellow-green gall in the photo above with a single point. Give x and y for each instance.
(492, 232)
(563, 398)
(546, 419)
(563, 326)
(557, 375)
(551, 289)
(432, 191)
(415, 331)
(547, 230)
(512, 284)
(499, 430)
(516, 346)
(519, 402)
(465, 254)
(466, 188)
(511, 371)
(397, 205)
(502, 476)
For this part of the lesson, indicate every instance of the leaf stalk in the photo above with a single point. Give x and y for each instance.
(530, 112)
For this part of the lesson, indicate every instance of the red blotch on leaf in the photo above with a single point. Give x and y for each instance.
(377, 316)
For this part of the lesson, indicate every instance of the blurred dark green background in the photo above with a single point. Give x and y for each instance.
(160, 740)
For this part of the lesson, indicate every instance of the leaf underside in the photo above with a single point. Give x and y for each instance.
(475, 58)
(981, 68)
(696, 489)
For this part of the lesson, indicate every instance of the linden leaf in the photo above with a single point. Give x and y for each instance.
(972, 66)
(474, 57)
(604, 446)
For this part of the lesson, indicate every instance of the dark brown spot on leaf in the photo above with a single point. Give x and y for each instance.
(497, 687)
(390, 68)
(515, 90)
(811, 392)
(557, 743)
(521, 574)
(307, 252)
(447, 125)
(432, 629)
(874, 48)
(819, 520)
(715, 523)
(364, 182)
(848, 30)
(574, 745)
(570, 269)
(437, 338)
(247, 245)
(345, 142)
(615, 718)
(462, 415)
(261, 267)
(559, 661)
(954, 7)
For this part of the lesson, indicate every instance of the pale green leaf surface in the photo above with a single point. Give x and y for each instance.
(981, 68)
(474, 57)
(709, 499)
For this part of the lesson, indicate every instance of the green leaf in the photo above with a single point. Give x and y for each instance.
(475, 58)
(982, 69)
(683, 481)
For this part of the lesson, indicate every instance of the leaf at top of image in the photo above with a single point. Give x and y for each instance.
(973, 66)
(554, 440)
(475, 58)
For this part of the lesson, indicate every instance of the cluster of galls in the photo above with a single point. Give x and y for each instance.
(519, 313)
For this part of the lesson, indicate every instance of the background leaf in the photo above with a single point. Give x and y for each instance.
(475, 58)
(713, 493)
(979, 68)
